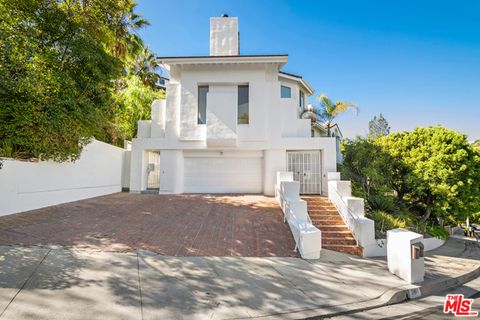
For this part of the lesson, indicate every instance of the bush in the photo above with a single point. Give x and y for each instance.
(438, 232)
(384, 222)
(382, 203)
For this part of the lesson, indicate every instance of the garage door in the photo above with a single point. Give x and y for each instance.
(223, 174)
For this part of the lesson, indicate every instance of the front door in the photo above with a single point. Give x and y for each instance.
(153, 170)
(305, 166)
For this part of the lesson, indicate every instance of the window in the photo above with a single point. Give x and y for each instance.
(202, 104)
(285, 92)
(301, 102)
(242, 111)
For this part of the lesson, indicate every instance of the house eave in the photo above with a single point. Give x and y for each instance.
(279, 59)
(297, 78)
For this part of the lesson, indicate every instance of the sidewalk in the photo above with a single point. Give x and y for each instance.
(54, 283)
(428, 308)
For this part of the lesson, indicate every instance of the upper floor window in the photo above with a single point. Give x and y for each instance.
(202, 104)
(242, 110)
(301, 101)
(285, 92)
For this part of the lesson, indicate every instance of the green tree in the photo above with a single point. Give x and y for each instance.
(125, 23)
(364, 164)
(378, 127)
(55, 78)
(476, 144)
(134, 104)
(443, 170)
(144, 65)
(328, 110)
(62, 75)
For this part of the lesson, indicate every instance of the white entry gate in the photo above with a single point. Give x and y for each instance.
(306, 167)
(153, 170)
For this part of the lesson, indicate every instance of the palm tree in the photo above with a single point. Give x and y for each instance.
(329, 110)
(144, 66)
(125, 26)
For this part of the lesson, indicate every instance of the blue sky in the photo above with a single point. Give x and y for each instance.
(416, 62)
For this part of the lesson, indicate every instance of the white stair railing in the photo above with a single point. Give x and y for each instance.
(352, 211)
(308, 238)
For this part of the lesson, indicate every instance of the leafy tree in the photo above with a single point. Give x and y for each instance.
(476, 144)
(55, 78)
(365, 165)
(434, 173)
(378, 127)
(444, 170)
(134, 103)
(63, 66)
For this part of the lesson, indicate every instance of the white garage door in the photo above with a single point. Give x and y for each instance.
(223, 174)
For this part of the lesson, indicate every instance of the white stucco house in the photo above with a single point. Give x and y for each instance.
(228, 124)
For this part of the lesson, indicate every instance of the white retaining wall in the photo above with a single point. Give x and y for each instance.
(352, 211)
(32, 185)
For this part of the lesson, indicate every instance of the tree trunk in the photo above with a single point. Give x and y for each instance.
(428, 202)
(427, 214)
(400, 195)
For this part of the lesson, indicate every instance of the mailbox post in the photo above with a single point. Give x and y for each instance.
(405, 255)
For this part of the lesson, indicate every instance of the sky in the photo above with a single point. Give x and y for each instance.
(416, 62)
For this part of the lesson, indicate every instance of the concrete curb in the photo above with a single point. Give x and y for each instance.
(392, 296)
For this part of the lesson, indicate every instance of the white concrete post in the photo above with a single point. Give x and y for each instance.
(405, 255)
(333, 176)
(137, 169)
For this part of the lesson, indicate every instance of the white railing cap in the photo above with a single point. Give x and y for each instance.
(332, 176)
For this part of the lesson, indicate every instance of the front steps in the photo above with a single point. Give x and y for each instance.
(335, 234)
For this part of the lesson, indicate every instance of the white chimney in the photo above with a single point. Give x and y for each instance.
(224, 36)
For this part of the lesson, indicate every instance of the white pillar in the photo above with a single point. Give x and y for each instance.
(405, 255)
(137, 169)
(171, 171)
(273, 162)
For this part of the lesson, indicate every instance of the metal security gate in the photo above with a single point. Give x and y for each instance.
(153, 170)
(306, 167)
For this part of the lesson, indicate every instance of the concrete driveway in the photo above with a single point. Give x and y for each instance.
(175, 225)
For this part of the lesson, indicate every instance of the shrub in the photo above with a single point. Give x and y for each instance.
(438, 231)
(384, 222)
(382, 203)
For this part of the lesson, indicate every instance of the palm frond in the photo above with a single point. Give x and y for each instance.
(328, 110)
(341, 107)
(326, 103)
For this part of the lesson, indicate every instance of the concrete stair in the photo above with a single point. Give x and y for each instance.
(335, 234)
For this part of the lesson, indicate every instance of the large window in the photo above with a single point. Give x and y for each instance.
(202, 104)
(285, 92)
(242, 111)
(301, 101)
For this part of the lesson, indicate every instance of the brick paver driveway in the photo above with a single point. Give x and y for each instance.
(180, 225)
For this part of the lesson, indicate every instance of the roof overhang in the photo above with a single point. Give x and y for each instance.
(297, 78)
(279, 59)
(322, 127)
